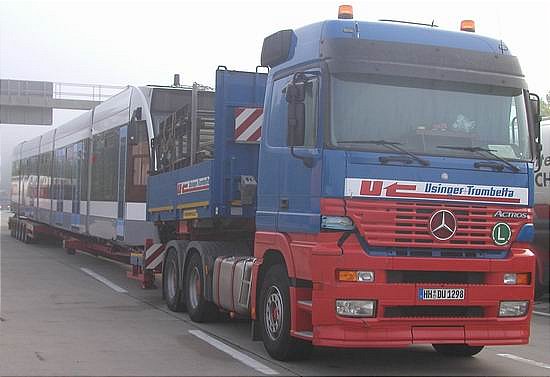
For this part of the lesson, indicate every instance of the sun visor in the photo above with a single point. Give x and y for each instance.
(422, 61)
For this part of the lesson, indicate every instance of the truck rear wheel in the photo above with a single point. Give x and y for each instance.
(457, 350)
(198, 308)
(172, 291)
(274, 316)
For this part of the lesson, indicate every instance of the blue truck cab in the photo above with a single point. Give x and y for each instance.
(386, 200)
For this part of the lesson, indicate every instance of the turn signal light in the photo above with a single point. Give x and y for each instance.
(345, 12)
(468, 25)
(356, 276)
(523, 279)
(347, 276)
(517, 279)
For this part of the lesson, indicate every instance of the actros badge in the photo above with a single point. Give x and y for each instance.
(443, 225)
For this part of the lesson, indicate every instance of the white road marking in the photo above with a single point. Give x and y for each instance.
(104, 280)
(523, 360)
(541, 313)
(234, 353)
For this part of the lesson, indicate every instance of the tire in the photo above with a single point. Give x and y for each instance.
(171, 289)
(198, 308)
(274, 315)
(457, 350)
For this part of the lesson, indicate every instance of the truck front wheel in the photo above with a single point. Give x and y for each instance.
(274, 316)
(457, 350)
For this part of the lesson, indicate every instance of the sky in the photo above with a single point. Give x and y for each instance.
(137, 43)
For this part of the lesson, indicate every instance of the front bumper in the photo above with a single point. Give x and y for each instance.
(484, 327)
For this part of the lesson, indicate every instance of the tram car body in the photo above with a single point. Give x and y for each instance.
(89, 175)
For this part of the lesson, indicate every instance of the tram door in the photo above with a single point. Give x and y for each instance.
(121, 196)
(59, 185)
(76, 167)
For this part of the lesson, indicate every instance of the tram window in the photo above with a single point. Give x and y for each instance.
(68, 174)
(140, 154)
(84, 171)
(138, 161)
(97, 167)
(105, 166)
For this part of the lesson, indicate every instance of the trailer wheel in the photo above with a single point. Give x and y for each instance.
(198, 308)
(170, 282)
(274, 315)
(457, 350)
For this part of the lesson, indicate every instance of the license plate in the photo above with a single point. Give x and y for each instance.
(441, 293)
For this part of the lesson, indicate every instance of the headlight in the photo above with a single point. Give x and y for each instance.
(513, 308)
(354, 276)
(356, 308)
(519, 279)
(509, 279)
(336, 223)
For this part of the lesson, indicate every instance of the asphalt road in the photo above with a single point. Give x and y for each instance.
(57, 318)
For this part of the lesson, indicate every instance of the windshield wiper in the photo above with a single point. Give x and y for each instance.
(392, 145)
(514, 168)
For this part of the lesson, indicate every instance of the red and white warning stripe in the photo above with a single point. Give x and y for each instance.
(248, 124)
(153, 256)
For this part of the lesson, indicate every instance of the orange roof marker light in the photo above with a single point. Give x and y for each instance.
(468, 25)
(345, 12)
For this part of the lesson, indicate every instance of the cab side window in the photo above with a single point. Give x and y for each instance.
(278, 128)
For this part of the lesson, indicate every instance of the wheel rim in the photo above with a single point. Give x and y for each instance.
(194, 287)
(273, 313)
(171, 280)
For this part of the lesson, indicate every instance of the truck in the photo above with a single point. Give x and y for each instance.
(369, 185)
(541, 243)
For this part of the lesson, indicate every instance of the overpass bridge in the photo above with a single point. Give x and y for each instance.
(32, 102)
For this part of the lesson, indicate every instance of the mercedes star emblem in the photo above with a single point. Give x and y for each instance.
(443, 225)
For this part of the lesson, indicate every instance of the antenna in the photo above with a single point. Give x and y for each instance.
(409, 22)
(501, 46)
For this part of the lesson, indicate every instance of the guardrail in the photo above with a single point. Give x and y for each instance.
(91, 92)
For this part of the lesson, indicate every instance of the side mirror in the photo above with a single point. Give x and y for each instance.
(534, 103)
(295, 95)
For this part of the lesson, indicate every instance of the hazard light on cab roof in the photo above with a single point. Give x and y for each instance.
(345, 12)
(468, 25)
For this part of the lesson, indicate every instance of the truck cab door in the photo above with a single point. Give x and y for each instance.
(290, 177)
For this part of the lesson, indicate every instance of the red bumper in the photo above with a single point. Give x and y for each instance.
(384, 330)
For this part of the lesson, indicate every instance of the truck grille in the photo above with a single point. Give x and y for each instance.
(433, 312)
(405, 224)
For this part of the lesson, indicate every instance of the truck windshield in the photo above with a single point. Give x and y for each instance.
(423, 115)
